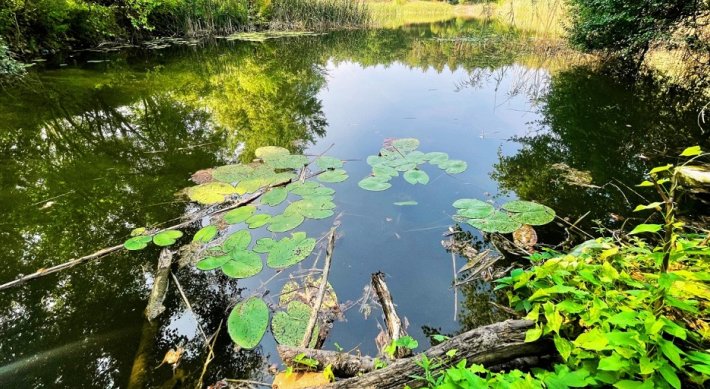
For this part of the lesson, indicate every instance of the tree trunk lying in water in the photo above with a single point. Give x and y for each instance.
(497, 344)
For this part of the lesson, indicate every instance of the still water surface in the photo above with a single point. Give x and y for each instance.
(100, 146)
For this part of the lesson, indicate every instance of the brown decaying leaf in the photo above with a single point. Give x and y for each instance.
(525, 237)
(202, 176)
(296, 380)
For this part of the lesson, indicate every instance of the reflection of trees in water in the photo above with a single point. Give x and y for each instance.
(593, 123)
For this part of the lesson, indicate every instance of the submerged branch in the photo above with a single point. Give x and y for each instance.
(321, 290)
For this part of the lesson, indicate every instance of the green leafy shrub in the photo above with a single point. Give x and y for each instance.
(9, 67)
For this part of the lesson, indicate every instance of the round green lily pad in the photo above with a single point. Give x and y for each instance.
(326, 162)
(247, 322)
(333, 176)
(527, 212)
(497, 221)
(283, 161)
(274, 196)
(166, 238)
(384, 171)
(259, 220)
(263, 245)
(210, 193)
(232, 173)
(454, 166)
(374, 184)
(242, 264)
(436, 157)
(237, 241)
(285, 222)
(290, 251)
(289, 327)
(268, 151)
(205, 234)
(473, 208)
(406, 144)
(212, 262)
(240, 214)
(137, 243)
(416, 177)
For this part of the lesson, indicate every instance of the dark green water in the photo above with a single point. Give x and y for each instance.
(93, 149)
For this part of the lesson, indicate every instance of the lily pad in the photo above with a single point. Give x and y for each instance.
(326, 162)
(436, 157)
(290, 251)
(473, 208)
(166, 238)
(416, 177)
(417, 157)
(264, 245)
(286, 161)
(384, 171)
(242, 264)
(205, 234)
(259, 220)
(237, 241)
(312, 207)
(526, 212)
(212, 262)
(268, 151)
(275, 196)
(454, 166)
(285, 222)
(498, 221)
(374, 184)
(247, 322)
(240, 214)
(232, 173)
(337, 175)
(406, 144)
(289, 327)
(137, 243)
(306, 291)
(210, 193)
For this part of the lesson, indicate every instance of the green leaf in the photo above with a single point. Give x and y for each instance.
(416, 177)
(212, 262)
(232, 173)
(166, 238)
(290, 251)
(649, 206)
(137, 243)
(691, 151)
(237, 241)
(374, 184)
(407, 342)
(563, 346)
(669, 374)
(641, 228)
(533, 334)
(242, 264)
(285, 161)
(264, 245)
(699, 357)
(333, 176)
(247, 322)
(436, 158)
(496, 222)
(613, 363)
(257, 221)
(240, 214)
(671, 351)
(405, 203)
(268, 151)
(138, 231)
(285, 222)
(660, 169)
(326, 162)
(406, 144)
(628, 384)
(645, 184)
(312, 208)
(210, 193)
(416, 157)
(473, 208)
(453, 166)
(624, 319)
(527, 212)
(205, 234)
(593, 340)
(289, 327)
(274, 196)
(384, 171)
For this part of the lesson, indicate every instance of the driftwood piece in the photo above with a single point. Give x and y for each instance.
(343, 364)
(490, 345)
(160, 285)
(395, 330)
(321, 289)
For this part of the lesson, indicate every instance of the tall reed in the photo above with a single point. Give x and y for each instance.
(315, 15)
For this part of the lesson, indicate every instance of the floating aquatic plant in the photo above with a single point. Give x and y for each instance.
(289, 327)
(512, 215)
(247, 322)
(401, 155)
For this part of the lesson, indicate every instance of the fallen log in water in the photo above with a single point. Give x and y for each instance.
(395, 330)
(343, 364)
(160, 285)
(497, 344)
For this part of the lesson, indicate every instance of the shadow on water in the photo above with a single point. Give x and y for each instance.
(91, 150)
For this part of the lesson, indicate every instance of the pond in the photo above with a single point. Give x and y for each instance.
(96, 144)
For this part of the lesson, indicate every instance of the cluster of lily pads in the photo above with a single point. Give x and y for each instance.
(274, 178)
(510, 217)
(401, 155)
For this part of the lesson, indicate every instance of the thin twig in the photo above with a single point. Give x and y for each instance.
(189, 307)
(210, 355)
(321, 290)
(456, 289)
(252, 382)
